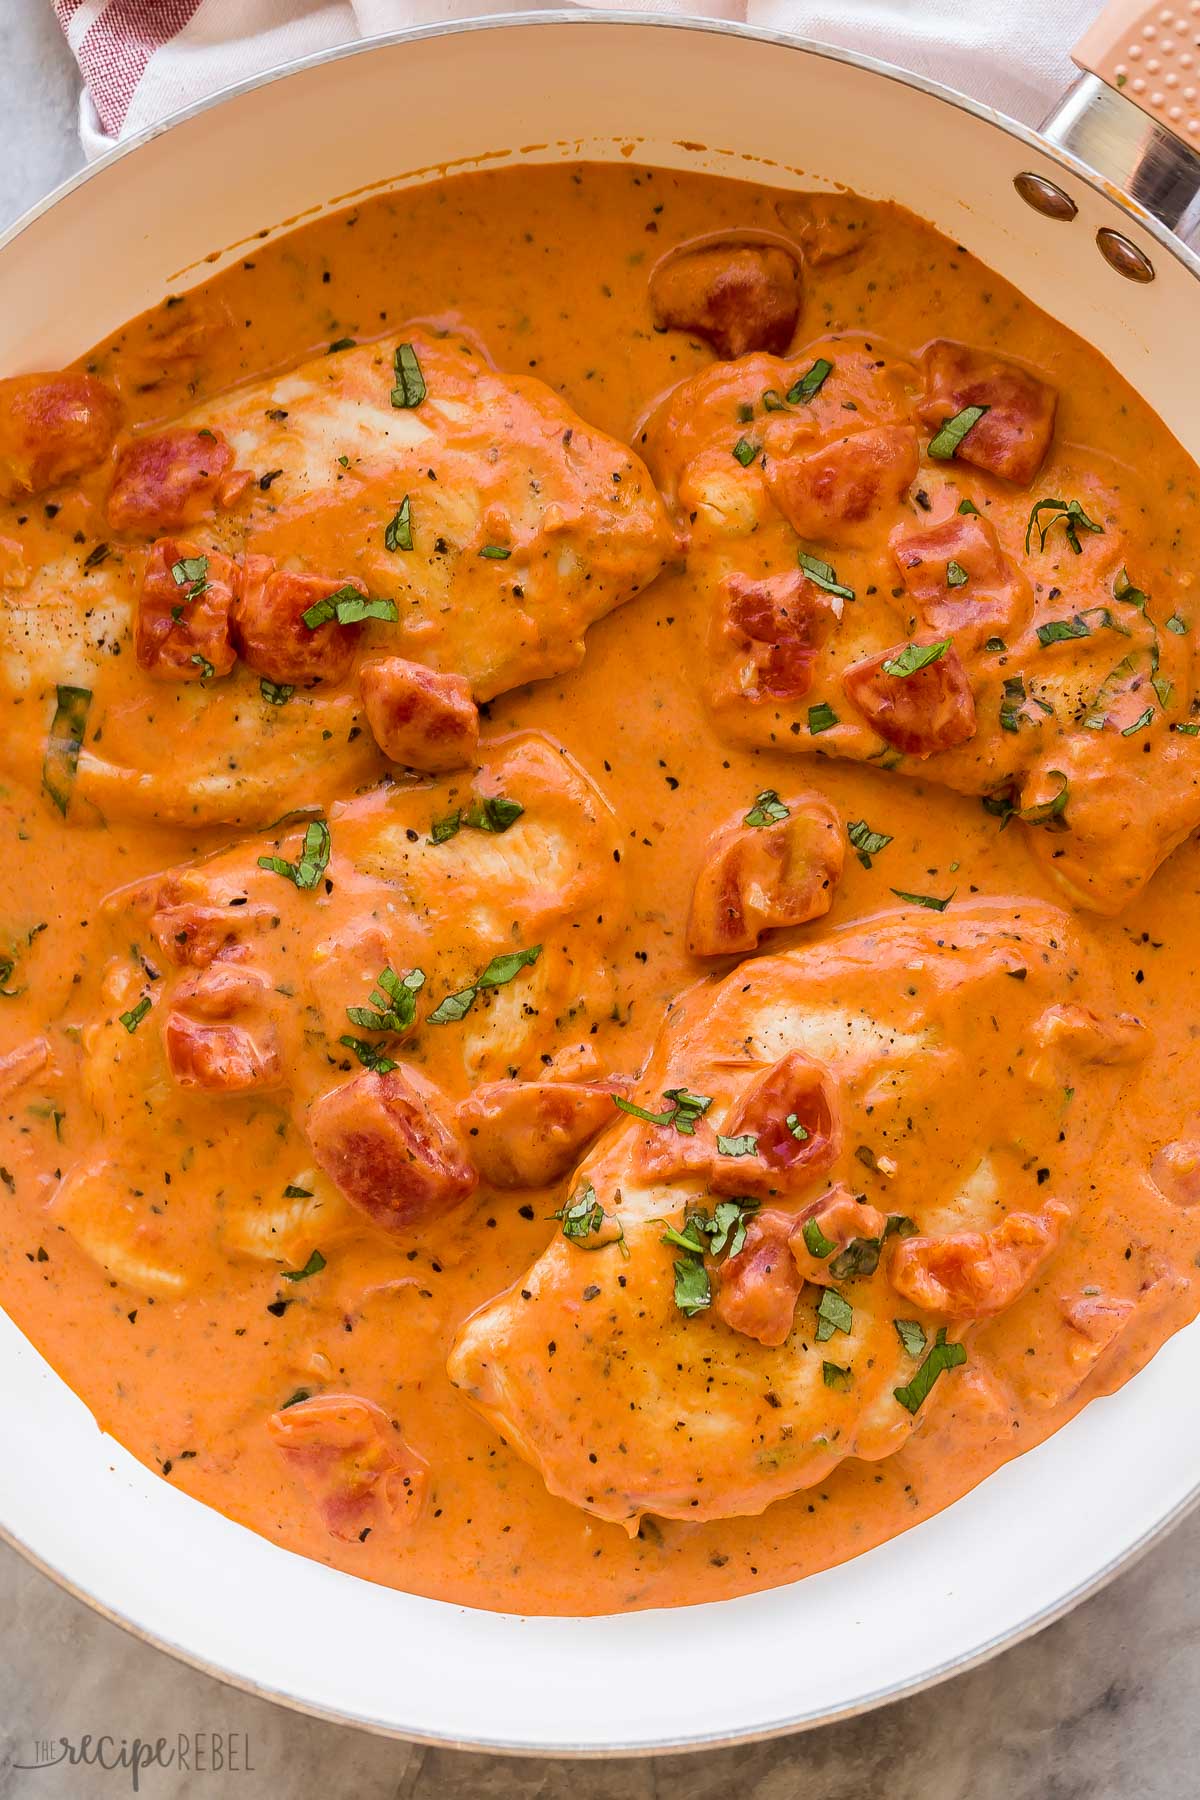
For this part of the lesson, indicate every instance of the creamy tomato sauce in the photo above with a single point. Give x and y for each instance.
(197, 1228)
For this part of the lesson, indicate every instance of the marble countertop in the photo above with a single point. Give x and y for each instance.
(1102, 1706)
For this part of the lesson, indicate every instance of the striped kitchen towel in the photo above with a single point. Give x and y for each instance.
(144, 59)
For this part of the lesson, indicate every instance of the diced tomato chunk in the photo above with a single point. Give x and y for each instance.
(1090, 1037)
(269, 629)
(1013, 436)
(777, 626)
(792, 1109)
(840, 1217)
(193, 935)
(974, 1274)
(418, 716)
(528, 1133)
(385, 1141)
(1175, 1172)
(757, 1290)
(738, 297)
(359, 1471)
(932, 709)
(182, 630)
(756, 878)
(218, 1035)
(169, 481)
(957, 579)
(836, 494)
(53, 427)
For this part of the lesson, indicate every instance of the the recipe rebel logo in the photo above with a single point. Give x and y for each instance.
(189, 1752)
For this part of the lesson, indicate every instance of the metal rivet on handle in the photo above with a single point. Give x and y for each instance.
(1045, 196)
(1123, 255)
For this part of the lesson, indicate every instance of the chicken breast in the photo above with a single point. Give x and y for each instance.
(338, 985)
(898, 561)
(264, 549)
(774, 1263)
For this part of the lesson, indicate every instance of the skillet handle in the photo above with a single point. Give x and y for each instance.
(1134, 116)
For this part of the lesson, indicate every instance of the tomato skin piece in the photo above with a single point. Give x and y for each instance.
(1013, 436)
(758, 878)
(53, 426)
(420, 717)
(170, 480)
(171, 648)
(737, 297)
(269, 629)
(529, 1133)
(836, 494)
(776, 627)
(386, 1143)
(920, 714)
(361, 1474)
(757, 1290)
(788, 1158)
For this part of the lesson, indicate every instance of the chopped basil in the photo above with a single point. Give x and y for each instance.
(312, 862)
(810, 383)
(968, 506)
(744, 1145)
(926, 900)
(823, 575)
(834, 1376)
(682, 1113)
(275, 693)
(64, 743)
(347, 607)
(492, 812)
(1139, 724)
(1124, 590)
(693, 1290)
(1012, 703)
(726, 1229)
(796, 1128)
(1043, 811)
(866, 842)
(912, 1336)
(815, 1241)
(313, 1266)
(341, 344)
(410, 387)
(448, 826)
(369, 1055)
(834, 1313)
(499, 971)
(1188, 730)
(1059, 630)
(821, 718)
(392, 1003)
(1177, 625)
(295, 1399)
(1072, 517)
(398, 534)
(915, 657)
(995, 644)
(205, 667)
(946, 444)
(768, 809)
(495, 552)
(191, 572)
(1164, 689)
(454, 1007)
(581, 1215)
(941, 1357)
(133, 1018)
(956, 575)
(292, 1192)
(773, 401)
(502, 968)
(745, 452)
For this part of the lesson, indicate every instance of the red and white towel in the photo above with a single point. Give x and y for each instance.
(144, 59)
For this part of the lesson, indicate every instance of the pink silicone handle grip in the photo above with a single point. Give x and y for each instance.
(1152, 54)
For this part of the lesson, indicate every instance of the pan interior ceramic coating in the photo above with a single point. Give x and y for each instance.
(1011, 1554)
